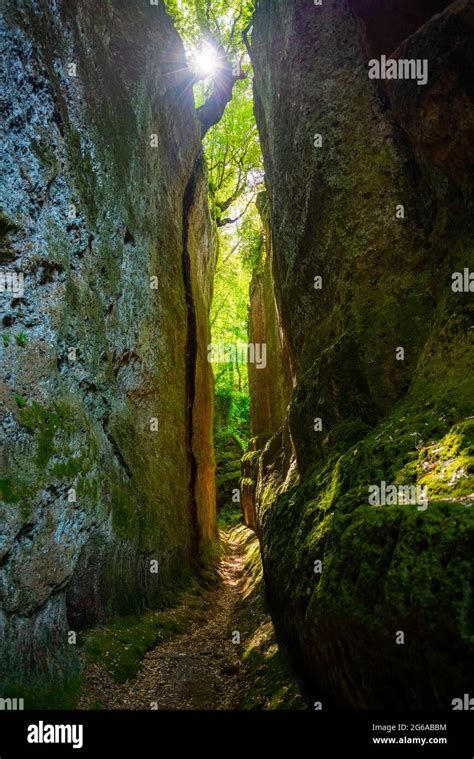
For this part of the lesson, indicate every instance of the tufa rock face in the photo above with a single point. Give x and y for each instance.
(104, 380)
(270, 387)
(386, 415)
(386, 26)
(438, 118)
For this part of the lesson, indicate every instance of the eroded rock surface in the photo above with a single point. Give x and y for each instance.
(104, 378)
(403, 418)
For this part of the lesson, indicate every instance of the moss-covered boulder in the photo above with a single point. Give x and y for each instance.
(369, 220)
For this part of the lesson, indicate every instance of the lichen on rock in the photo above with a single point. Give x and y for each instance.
(101, 143)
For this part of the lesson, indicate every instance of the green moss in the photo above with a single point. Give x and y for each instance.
(447, 466)
(125, 517)
(346, 434)
(246, 482)
(400, 451)
(375, 578)
(273, 680)
(60, 695)
(88, 487)
(122, 646)
(7, 491)
(251, 457)
(46, 422)
(230, 516)
(70, 468)
(384, 568)
(63, 447)
(444, 373)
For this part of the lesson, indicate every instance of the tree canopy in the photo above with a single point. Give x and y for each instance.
(213, 34)
(231, 146)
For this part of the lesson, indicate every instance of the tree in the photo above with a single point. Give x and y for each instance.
(224, 100)
(213, 32)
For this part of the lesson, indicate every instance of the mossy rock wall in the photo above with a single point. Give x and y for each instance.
(96, 379)
(228, 456)
(386, 284)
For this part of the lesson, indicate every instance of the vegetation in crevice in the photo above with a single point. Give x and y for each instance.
(213, 33)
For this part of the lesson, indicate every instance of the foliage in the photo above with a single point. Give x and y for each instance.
(240, 249)
(234, 163)
(221, 20)
(232, 146)
(234, 157)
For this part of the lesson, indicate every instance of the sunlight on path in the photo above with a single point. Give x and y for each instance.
(197, 670)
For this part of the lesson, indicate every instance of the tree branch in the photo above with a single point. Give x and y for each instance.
(228, 220)
(212, 110)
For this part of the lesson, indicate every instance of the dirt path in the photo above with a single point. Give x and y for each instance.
(199, 669)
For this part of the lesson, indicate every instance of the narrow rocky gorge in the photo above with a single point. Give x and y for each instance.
(203, 665)
(127, 580)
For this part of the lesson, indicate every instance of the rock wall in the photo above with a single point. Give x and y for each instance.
(270, 386)
(371, 212)
(104, 379)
